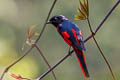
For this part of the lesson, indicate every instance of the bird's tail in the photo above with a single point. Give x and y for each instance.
(81, 59)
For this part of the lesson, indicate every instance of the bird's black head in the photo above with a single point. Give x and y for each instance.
(56, 20)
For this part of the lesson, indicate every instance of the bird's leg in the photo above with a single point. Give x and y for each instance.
(69, 51)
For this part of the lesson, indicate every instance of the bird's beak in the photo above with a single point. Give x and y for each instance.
(49, 22)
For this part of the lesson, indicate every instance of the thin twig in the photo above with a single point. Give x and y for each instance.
(89, 37)
(44, 26)
(103, 20)
(109, 67)
(101, 52)
(107, 15)
(44, 58)
(27, 51)
(95, 31)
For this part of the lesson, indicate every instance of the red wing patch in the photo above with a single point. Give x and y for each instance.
(75, 36)
(66, 36)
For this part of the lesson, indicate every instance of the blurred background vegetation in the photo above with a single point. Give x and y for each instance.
(17, 15)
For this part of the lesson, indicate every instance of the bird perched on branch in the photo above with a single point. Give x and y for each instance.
(72, 35)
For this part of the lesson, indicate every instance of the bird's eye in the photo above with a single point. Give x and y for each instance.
(56, 18)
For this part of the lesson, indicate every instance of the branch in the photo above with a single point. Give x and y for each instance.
(107, 15)
(27, 51)
(109, 67)
(101, 52)
(89, 37)
(44, 26)
(38, 49)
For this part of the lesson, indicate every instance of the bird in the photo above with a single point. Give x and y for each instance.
(72, 35)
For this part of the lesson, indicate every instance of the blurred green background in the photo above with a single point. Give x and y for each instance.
(17, 15)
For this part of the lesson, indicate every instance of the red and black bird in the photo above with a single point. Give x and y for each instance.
(72, 36)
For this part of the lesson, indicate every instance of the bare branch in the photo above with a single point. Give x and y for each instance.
(103, 20)
(44, 26)
(89, 37)
(101, 52)
(38, 49)
(109, 67)
(107, 15)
